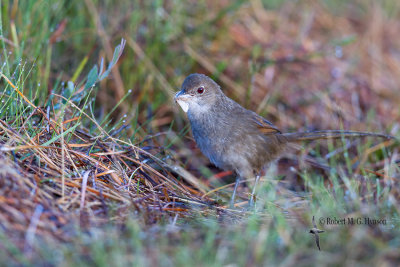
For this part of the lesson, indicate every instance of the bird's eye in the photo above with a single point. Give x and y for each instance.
(200, 90)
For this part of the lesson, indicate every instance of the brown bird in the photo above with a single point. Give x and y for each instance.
(315, 231)
(235, 138)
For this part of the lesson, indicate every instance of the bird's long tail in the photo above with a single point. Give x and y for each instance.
(331, 134)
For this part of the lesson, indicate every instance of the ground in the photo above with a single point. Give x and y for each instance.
(98, 166)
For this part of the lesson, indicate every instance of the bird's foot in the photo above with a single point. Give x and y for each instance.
(232, 203)
(253, 198)
(252, 201)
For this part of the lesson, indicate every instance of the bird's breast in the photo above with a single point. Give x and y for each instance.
(212, 135)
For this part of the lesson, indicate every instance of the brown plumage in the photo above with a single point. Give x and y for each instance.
(235, 138)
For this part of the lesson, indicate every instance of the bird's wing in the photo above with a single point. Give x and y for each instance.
(264, 126)
(313, 222)
(317, 240)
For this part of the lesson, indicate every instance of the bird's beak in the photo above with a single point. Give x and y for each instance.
(181, 98)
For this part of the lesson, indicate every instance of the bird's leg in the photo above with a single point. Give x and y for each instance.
(251, 202)
(232, 203)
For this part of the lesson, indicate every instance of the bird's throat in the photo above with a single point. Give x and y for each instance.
(184, 105)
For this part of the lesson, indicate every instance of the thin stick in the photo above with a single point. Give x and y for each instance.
(62, 160)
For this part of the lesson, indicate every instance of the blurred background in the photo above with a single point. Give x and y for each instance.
(303, 65)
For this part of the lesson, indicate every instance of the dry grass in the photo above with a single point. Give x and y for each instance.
(63, 170)
(305, 65)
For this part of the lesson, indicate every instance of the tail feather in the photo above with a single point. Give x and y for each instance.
(330, 134)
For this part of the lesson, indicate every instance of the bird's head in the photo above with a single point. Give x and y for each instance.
(198, 93)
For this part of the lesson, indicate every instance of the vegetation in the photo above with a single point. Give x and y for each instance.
(98, 166)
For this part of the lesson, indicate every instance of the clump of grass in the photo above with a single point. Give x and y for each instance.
(95, 173)
(70, 167)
